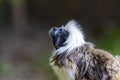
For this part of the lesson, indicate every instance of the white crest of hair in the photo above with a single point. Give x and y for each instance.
(75, 39)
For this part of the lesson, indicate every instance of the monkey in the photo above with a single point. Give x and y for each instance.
(75, 59)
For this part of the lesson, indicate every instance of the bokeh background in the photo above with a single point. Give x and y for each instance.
(25, 45)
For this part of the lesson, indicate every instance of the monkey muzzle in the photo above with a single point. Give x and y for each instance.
(59, 36)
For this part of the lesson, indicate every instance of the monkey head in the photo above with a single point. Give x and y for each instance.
(59, 36)
(67, 37)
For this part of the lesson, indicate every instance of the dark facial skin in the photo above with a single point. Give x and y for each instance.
(59, 36)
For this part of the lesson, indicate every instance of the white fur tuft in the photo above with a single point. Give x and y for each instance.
(75, 39)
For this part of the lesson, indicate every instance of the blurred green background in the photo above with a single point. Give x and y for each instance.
(25, 45)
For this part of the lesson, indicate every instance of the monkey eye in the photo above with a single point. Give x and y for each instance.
(61, 30)
(54, 28)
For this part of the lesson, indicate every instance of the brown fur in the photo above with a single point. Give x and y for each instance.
(89, 63)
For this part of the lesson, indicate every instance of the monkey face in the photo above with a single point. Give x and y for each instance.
(59, 36)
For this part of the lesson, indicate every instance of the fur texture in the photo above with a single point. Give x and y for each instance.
(79, 60)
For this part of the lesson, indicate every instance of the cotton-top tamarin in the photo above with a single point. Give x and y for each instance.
(76, 59)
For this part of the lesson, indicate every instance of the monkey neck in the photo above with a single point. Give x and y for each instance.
(69, 46)
(59, 59)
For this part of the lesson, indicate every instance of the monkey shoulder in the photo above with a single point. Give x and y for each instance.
(107, 60)
(101, 54)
